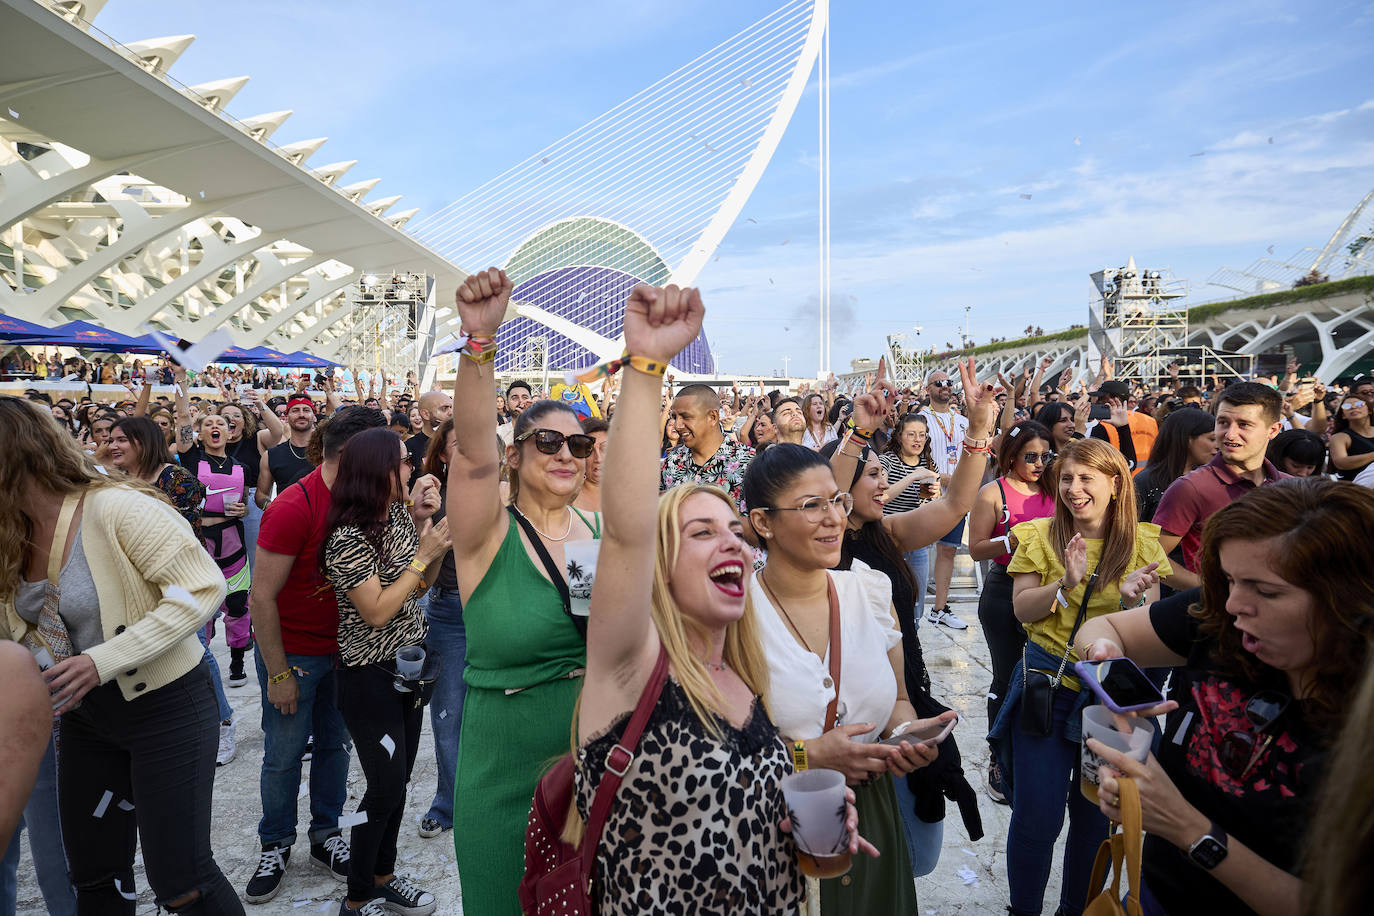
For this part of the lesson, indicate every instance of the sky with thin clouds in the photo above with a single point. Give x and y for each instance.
(1190, 135)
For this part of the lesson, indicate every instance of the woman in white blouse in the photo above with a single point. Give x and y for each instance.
(799, 512)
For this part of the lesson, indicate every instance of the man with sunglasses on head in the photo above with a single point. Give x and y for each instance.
(704, 454)
(947, 431)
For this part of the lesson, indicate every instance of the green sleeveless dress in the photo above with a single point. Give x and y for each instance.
(522, 650)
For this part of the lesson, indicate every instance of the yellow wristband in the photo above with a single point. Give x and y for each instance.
(645, 365)
(799, 756)
(418, 567)
(278, 678)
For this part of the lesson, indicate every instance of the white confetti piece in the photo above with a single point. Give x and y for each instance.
(104, 803)
(968, 852)
(126, 805)
(300, 903)
(352, 820)
(127, 895)
(390, 744)
(443, 714)
(409, 857)
(967, 876)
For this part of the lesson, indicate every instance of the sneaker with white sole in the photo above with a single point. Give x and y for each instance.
(227, 748)
(945, 617)
(266, 880)
(404, 896)
(371, 908)
(429, 827)
(996, 787)
(332, 856)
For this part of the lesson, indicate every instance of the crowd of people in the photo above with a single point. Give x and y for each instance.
(503, 559)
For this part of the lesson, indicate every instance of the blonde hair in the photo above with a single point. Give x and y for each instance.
(40, 454)
(1118, 545)
(743, 651)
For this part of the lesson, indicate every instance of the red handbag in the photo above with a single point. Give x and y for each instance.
(558, 875)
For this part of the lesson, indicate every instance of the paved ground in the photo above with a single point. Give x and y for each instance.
(969, 879)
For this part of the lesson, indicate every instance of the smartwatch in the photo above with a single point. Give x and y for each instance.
(1209, 851)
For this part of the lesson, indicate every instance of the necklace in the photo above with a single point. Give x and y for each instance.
(716, 667)
(790, 622)
(214, 462)
(549, 537)
(301, 456)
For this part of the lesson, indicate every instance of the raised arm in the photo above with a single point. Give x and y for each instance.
(186, 429)
(923, 525)
(658, 324)
(145, 395)
(869, 411)
(273, 431)
(479, 521)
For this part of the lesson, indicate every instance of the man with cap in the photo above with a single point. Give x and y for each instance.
(284, 464)
(1130, 432)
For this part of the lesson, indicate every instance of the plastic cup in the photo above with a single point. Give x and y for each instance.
(409, 661)
(1098, 723)
(817, 809)
(232, 501)
(579, 563)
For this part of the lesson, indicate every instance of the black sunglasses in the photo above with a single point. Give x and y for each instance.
(550, 442)
(1037, 457)
(1240, 750)
(943, 383)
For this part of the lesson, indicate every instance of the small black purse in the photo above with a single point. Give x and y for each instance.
(1036, 715)
(422, 685)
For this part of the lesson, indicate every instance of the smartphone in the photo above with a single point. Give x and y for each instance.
(1120, 685)
(932, 734)
(1099, 412)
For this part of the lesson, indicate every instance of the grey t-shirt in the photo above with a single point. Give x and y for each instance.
(80, 606)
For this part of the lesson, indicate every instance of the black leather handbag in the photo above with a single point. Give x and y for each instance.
(1036, 715)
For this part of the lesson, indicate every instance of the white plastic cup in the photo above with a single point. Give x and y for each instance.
(409, 661)
(816, 806)
(579, 564)
(232, 501)
(1098, 723)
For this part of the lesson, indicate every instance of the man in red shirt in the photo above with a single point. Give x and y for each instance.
(1248, 416)
(297, 627)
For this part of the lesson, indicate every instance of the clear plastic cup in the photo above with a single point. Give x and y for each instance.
(817, 809)
(1098, 723)
(409, 661)
(579, 562)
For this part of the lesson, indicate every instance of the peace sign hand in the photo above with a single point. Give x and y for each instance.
(482, 300)
(980, 400)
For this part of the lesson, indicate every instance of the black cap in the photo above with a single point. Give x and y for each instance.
(1113, 388)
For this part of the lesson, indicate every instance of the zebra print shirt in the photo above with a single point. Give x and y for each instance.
(349, 561)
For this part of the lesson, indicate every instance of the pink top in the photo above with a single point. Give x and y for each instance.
(1019, 508)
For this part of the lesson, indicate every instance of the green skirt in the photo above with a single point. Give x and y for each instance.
(882, 885)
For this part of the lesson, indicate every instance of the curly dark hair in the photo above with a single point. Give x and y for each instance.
(1323, 529)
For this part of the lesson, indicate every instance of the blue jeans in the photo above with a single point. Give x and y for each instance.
(447, 638)
(919, 561)
(923, 841)
(251, 521)
(45, 846)
(284, 739)
(225, 713)
(1045, 777)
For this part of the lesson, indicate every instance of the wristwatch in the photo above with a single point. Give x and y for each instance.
(1209, 851)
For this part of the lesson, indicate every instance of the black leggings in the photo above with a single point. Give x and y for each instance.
(373, 709)
(142, 770)
(1004, 633)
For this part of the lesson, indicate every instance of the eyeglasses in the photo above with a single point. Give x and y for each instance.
(1240, 750)
(407, 460)
(1037, 457)
(550, 442)
(943, 383)
(814, 508)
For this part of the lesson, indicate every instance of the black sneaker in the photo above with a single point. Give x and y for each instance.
(429, 827)
(331, 856)
(266, 881)
(996, 787)
(309, 749)
(371, 908)
(404, 896)
(237, 677)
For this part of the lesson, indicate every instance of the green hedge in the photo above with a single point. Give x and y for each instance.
(1196, 314)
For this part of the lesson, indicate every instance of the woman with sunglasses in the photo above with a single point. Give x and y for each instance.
(1090, 558)
(525, 653)
(880, 542)
(379, 565)
(1267, 654)
(1352, 438)
(1023, 490)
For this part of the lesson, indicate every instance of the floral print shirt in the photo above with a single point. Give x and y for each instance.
(725, 469)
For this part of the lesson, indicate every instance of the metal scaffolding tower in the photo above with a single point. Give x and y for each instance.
(388, 324)
(906, 367)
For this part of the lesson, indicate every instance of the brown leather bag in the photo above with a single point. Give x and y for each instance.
(1124, 846)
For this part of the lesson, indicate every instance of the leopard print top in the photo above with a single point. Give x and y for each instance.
(694, 829)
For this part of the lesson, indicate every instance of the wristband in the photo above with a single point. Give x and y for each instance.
(645, 365)
(1059, 596)
(278, 678)
(799, 756)
(479, 356)
(418, 567)
(977, 445)
(858, 432)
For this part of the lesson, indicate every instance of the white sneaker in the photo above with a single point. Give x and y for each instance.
(945, 617)
(227, 749)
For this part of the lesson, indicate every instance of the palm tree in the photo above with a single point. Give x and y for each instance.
(575, 571)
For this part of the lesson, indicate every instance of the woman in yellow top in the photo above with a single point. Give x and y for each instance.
(1092, 546)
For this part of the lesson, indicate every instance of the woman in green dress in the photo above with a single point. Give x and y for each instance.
(525, 655)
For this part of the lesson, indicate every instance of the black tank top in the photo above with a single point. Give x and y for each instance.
(287, 466)
(1359, 445)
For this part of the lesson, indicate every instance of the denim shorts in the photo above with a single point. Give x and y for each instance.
(955, 537)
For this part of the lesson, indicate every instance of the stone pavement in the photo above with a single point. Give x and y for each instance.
(970, 878)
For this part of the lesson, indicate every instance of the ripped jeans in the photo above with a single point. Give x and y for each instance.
(144, 769)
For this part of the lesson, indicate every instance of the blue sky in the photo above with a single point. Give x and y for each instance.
(942, 117)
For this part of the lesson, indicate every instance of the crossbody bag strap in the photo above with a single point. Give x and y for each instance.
(59, 536)
(1078, 622)
(555, 574)
(618, 760)
(835, 653)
